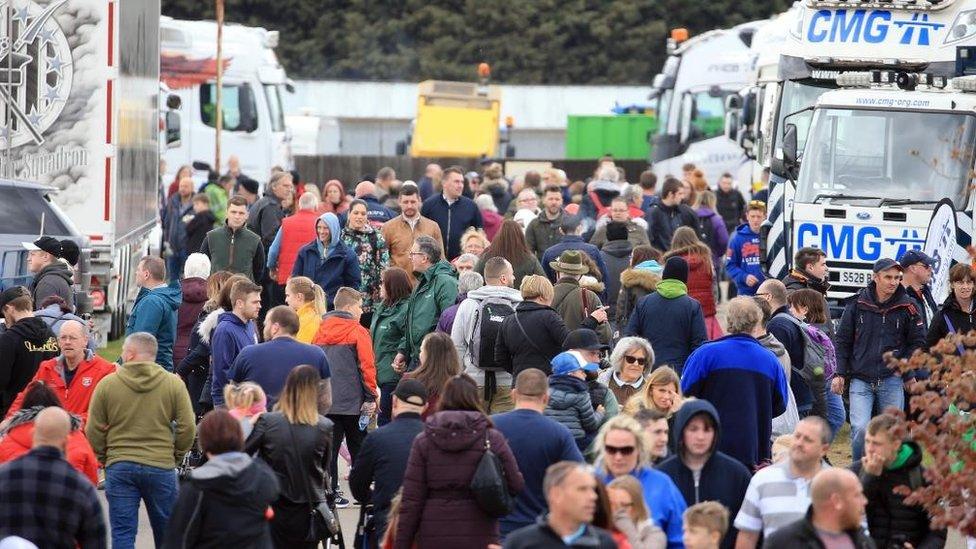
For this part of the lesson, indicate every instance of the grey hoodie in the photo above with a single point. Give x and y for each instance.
(463, 330)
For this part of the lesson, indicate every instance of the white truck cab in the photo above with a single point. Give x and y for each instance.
(253, 82)
(691, 92)
(828, 39)
(878, 158)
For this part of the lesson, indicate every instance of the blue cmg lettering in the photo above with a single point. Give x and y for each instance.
(849, 26)
(842, 242)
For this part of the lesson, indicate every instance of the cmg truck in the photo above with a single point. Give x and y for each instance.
(829, 39)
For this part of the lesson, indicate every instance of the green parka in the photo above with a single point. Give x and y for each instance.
(436, 290)
(387, 328)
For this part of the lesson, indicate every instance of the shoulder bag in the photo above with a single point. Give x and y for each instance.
(489, 487)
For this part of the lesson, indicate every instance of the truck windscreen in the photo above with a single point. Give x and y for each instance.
(920, 156)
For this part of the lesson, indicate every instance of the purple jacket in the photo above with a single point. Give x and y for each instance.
(446, 322)
(721, 243)
(438, 509)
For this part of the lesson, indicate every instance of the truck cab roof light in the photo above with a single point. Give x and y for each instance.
(914, 5)
(963, 83)
(855, 79)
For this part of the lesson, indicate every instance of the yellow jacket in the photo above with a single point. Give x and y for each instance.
(308, 322)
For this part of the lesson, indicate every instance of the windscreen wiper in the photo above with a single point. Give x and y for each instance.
(905, 201)
(816, 199)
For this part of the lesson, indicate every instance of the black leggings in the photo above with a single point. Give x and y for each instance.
(344, 427)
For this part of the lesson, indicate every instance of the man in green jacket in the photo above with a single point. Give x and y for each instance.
(543, 231)
(140, 425)
(233, 247)
(436, 290)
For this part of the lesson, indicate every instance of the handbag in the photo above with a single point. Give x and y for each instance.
(489, 487)
(323, 524)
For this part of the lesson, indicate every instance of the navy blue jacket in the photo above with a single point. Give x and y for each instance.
(869, 329)
(573, 242)
(341, 268)
(229, 338)
(789, 335)
(674, 324)
(723, 479)
(537, 442)
(268, 364)
(376, 212)
(746, 384)
(453, 220)
(382, 460)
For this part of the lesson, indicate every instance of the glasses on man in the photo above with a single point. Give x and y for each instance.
(633, 359)
(621, 450)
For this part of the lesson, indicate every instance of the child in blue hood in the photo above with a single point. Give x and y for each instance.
(326, 260)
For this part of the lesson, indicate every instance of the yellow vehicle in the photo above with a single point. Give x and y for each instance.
(457, 119)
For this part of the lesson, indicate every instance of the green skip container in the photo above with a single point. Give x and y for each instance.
(625, 136)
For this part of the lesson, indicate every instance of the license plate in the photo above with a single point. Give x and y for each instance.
(854, 278)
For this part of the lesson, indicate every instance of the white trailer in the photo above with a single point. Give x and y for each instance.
(78, 113)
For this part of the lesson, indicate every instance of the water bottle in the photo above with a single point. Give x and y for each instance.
(363, 420)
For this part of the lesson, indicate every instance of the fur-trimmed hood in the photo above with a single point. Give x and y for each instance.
(632, 278)
(28, 415)
(209, 324)
(592, 284)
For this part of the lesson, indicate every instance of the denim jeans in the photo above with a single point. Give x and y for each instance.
(836, 414)
(126, 483)
(868, 400)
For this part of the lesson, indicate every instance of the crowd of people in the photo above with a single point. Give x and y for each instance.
(502, 363)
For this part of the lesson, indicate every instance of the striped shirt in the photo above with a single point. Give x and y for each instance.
(774, 499)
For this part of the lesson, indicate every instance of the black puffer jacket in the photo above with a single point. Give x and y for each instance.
(890, 521)
(545, 331)
(962, 322)
(223, 504)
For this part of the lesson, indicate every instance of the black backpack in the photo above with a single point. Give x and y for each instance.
(706, 231)
(487, 323)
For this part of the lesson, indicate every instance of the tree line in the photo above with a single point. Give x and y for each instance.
(535, 42)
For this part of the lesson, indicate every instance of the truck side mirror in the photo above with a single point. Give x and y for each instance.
(174, 132)
(789, 146)
(249, 114)
(732, 124)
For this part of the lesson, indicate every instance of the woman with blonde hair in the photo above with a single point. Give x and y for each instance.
(623, 450)
(245, 401)
(701, 274)
(474, 241)
(297, 443)
(662, 392)
(308, 300)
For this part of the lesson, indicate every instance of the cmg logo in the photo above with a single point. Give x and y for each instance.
(872, 27)
(856, 243)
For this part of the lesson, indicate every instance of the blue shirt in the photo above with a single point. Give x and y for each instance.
(269, 363)
(536, 442)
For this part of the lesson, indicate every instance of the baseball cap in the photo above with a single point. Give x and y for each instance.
(885, 264)
(570, 361)
(912, 257)
(411, 391)
(583, 338)
(47, 244)
(11, 294)
(70, 251)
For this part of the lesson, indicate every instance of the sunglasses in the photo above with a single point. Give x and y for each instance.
(622, 450)
(633, 359)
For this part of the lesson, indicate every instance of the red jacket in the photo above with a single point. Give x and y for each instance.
(297, 230)
(75, 398)
(18, 439)
(700, 283)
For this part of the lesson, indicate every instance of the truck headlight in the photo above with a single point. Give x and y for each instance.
(964, 26)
